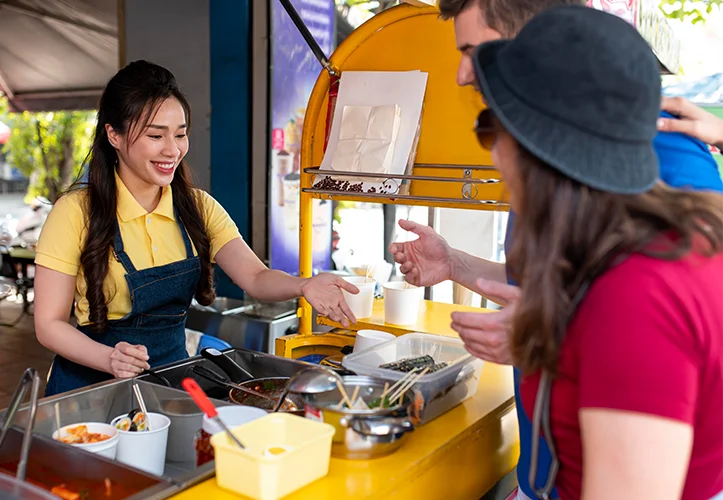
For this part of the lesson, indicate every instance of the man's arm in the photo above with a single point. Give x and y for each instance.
(467, 269)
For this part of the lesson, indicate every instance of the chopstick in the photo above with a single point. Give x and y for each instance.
(57, 419)
(137, 391)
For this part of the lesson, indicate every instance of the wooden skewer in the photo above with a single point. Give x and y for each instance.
(343, 393)
(404, 379)
(384, 393)
(401, 396)
(457, 360)
(353, 396)
(409, 386)
(410, 383)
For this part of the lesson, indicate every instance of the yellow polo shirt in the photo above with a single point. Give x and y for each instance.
(150, 240)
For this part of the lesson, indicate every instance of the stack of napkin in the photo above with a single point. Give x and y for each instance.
(367, 139)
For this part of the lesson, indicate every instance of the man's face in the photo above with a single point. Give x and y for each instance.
(471, 30)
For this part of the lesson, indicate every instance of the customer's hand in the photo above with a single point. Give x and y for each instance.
(127, 361)
(323, 292)
(692, 120)
(487, 335)
(424, 261)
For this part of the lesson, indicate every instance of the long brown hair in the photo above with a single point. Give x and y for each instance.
(128, 102)
(568, 232)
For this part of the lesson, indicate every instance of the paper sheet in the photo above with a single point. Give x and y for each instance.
(405, 90)
(367, 138)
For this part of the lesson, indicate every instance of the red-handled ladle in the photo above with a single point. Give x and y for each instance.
(206, 406)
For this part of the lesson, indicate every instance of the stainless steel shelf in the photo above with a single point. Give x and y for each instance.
(366, 175)
(400, 198)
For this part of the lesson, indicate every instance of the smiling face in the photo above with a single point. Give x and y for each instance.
(149, 157)
(471, 30)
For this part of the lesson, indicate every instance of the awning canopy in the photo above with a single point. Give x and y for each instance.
(57, 55)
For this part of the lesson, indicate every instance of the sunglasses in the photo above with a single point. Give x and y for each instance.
(486, 128)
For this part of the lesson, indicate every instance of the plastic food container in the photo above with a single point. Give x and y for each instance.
(231, 416)
(442, 390)
(105, 448)
(283, 454)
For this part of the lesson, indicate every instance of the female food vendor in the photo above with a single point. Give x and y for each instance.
(136, 243)
(619, 327)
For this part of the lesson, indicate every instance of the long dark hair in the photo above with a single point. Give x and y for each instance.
(568, 232)
(129, 101)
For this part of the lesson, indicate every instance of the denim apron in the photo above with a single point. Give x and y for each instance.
(160, 298)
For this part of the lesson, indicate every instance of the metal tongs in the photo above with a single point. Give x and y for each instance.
(29, 377)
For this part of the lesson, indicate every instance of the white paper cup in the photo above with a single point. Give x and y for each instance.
(402, 302)
(369, 338)
(145, 450)
(105, 448)
(362, 303)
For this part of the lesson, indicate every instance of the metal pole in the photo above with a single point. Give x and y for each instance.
(308, 37)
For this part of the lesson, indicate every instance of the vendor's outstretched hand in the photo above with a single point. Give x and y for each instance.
(487, 335)
(691, 120)
(424, 261)
(323, 292)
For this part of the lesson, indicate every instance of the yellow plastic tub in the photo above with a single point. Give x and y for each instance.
(283, 454)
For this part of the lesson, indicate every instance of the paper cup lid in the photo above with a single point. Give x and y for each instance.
(232, 416)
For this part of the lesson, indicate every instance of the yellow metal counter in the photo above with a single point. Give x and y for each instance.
(459, 455)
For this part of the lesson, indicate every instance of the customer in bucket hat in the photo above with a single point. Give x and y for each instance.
(619, 327)
(685, 162)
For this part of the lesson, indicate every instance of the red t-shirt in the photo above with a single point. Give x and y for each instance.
(647, 338)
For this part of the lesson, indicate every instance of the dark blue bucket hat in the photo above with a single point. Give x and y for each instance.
(579, 89)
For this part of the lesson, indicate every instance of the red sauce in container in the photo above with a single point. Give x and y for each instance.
(231, 416)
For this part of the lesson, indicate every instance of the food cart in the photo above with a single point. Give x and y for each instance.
(476, 443)
(463, 452)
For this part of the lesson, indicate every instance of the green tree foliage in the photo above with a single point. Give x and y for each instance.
(48, 147)
(692, 11)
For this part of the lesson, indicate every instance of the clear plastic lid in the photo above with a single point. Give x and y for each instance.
(441, 349)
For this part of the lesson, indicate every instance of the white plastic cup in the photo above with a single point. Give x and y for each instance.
(145, 450)
(105, 448)
(369, 338)
(362, 303)
(402, 303)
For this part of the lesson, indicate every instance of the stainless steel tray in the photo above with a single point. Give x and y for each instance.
(101, 403)
(51, 463)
